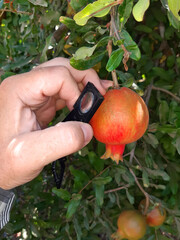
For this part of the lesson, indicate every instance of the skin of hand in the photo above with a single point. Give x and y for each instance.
(28, 102)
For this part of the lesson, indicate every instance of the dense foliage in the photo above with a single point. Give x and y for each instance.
(139, 44)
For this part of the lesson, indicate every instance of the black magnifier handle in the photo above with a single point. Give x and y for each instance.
(83, 110)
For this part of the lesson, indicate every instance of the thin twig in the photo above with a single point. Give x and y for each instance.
(169, 235)
(2, 11)
(156, 234)
(167, 92)
(109, 48)
(110, 191)
(116, 33)
(117, 189)
(142, 190)
(148, 93)
(17, 12)
(132, 154)
(94, 178)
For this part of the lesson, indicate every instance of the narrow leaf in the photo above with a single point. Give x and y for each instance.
(145, 179)
(139, 9)
(62, 193)
(83, 64)
(99, 192)
(84, 52)
(42, 3)
(72, 205)
(98, 8)
(77, 228)
(102, 180)
(130, 45)
(163, 112)
(130, 197)
(125, 10)
(1, 3)
(177, 145)
(115, 59)
(158, 173)
(174, 6)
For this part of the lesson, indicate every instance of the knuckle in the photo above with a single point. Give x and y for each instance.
(13, 152)
(6, 82)
(92, 71)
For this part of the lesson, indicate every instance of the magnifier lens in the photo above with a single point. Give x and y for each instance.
(86, 102)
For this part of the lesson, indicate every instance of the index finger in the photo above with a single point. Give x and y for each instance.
(84, 76)
(35, 87)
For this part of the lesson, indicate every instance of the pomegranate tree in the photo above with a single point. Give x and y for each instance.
(122, 118)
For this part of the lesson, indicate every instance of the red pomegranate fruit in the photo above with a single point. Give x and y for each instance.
(122, 118)
(131, 225)
(156, 214)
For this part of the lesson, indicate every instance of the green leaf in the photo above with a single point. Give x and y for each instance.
(174, 6)
(62, 193)
(173, 20)
(103, 41)
(125, 11)
(173, 179)
(145, 179)
(20, 62)
(102, 180)
(84, 52)
(99, 192)
(158, 173)
(34, 230)
(151, 139)
(69, 22)
(88, 62)
(139, 9)
(167, 129)
(80, 178)
(128, 83)
(99, 8)
(1, 3)
(48, 17)
(72, 205)
(130, 197)
(149, 160)
(77, 228)
(42, 3)
(125, 77)
(115, 59)
(143, 28)
(77, 5)
(177, 144)
(78, 174)
(96, 162)
(49, 41)
(130, 45)
(163, 112)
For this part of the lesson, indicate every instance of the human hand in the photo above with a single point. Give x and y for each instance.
(28, 102)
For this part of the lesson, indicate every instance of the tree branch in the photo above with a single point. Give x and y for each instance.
(17, 12)
(94, 178)
(142, 190)
(109, 48)
(167, 92)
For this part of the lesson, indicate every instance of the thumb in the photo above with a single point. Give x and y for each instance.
(32, 151)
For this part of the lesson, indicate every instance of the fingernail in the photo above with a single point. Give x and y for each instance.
(88, 132)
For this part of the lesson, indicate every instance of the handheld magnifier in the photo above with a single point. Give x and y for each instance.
(83, 110)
